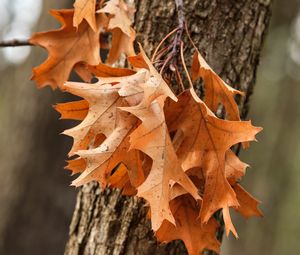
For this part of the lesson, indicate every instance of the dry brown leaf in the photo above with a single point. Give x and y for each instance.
(103, 159)
(101, 118)
(135, 167)
(119, 178)
(152, 138)
(216, 90)
(105, 118)
(123, 35)
(102, 70)
(235, 169)
(206, 141)
(76, 165)
(76, 110)
(83, 72)
(120, 15)
(121, 43)
(87, 72)
(66, 46)
(85, 9)
(155, 85)
(196, 236)
(137, 61)
(103, 100)
(128, 177)
(248, 204)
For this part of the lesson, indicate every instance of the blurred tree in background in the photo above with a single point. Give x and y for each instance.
(35, 197)
(37, 203)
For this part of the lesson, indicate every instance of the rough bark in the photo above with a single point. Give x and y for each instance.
(230, 35)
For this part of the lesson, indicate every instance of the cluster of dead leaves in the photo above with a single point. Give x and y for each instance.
(137, 135)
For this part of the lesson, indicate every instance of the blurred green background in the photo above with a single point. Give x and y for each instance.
(36, 202)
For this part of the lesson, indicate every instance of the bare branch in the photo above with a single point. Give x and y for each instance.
(15, 43)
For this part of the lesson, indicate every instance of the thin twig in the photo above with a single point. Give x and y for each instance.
(161, 53)
(165, 64)
(15, 43)
(181, 85)
(184, 66)
(189, 37)
(161, 42)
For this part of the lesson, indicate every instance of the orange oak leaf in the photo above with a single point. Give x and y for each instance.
(105, 118)
(216, 90)
(76, 165)
(121, 43)
(83, 72)
(152, 138)
(234, 168)
(87, 72)
(207, 139)
(136, 173)
(66, 46)
(137, 61)
(102, 160)
(102, 70)
(120, 180)
(103, 100)
(120, 15)
(85, 9)
(137, 167)
(155, 85)
(248, 204)
(196, 236)
(123, 35)
(76, 110)
(128, 177)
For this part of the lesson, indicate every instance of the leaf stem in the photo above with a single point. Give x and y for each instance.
(184, 66)
(189, 36)
(161, 42)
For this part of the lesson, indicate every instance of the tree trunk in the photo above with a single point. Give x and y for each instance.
(230, 35)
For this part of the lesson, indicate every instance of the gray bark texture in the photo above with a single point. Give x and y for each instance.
(230, 35)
